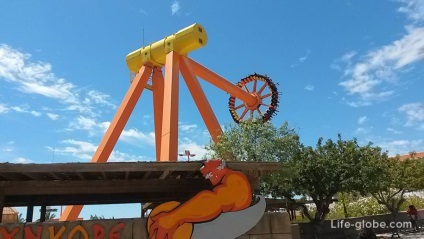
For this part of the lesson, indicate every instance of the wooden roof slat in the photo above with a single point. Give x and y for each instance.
(130, 167)
(81, 175)
(165, 174)
(146, 175)
(12, 177)
(55, 176)
(100, 186)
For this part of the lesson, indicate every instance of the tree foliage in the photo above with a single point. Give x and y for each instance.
(255, 141)
(319, 172)
(333, 167)
(396, 178)
(95, 217)
(21, 218)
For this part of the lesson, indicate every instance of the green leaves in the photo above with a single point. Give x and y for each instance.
(255, 141)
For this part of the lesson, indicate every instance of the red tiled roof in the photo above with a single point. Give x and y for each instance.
(9, 211)
(408, 156)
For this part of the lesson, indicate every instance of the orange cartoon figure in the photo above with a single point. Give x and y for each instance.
(231, 193)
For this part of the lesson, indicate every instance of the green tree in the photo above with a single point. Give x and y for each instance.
(319, 173)
(21, 219)
(332, 167)
(258, 141)
(396, 178)
(95, 217)
(255, 141)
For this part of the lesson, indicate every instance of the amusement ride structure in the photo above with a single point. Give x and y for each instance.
(254, 96)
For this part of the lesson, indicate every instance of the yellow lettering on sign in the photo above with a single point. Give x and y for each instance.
(80, 229)
(59, 233)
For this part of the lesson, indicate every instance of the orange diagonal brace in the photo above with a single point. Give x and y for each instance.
(200, 99)
(221, 83)
(169, 143)
(115, 129)
(157, 85)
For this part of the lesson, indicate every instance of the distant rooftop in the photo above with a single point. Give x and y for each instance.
(9, 211)
(414, 155)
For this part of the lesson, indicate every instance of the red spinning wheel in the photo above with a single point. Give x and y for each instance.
(264, 90)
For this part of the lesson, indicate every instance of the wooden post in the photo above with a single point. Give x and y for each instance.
(43, 213)
(2, 199)
(30, 213)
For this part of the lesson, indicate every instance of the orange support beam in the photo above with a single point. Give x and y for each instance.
(169, 142)
(200, 99)
(112, 134)
(157, 87)
(222, 83)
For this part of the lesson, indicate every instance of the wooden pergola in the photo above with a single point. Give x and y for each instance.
(45, 185)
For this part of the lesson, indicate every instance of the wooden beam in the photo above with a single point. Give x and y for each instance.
(100, 186)
(146, 175)
(95, 199)
(30, 212)
(43, 213)
(164, 174)
(11, 176)
(81, 176)
(2, 200)
(31, 176)
(7, 169)
(55, 176)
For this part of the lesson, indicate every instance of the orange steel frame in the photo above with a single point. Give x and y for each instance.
(165, 102)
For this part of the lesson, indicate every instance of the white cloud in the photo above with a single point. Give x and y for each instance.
(395, 131)
(309, 87)
(187, 127)
(372, 77)
(142, 11)
(132, 136)
(3, 109)
(401, 146)
(22, 160)
(362, 119)
(24, 109)
(85, 150)
(136, 137)
(355, 103)
(175, 7)
(83, 123)
(52, 116)
(194, 147)
(346, 59)
(78, 149)
(414, 9)
(99, 98)
(38, 78)
(305, 57)
(363, 130)
(414, 114)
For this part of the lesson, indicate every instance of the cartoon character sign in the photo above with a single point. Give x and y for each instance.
(225, 208)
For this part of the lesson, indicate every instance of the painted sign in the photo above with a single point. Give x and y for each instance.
(67, 230)
(226, 209)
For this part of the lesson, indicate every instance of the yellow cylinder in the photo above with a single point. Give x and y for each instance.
(183, 41)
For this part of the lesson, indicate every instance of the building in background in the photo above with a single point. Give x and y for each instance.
(10, 215)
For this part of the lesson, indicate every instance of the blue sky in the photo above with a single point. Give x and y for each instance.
(349, 67)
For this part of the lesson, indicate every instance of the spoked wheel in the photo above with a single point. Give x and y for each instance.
(266, 93)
